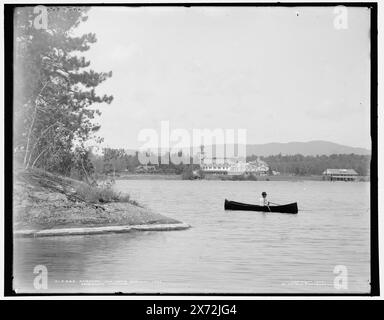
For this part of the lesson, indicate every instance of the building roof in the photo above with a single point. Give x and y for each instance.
(341, 171)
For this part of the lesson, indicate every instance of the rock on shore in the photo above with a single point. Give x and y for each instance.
(43, 201)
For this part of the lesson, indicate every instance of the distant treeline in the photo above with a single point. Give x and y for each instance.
(117, 160)
(315, 165)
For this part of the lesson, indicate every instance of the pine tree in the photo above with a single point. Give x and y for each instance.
(54, 88)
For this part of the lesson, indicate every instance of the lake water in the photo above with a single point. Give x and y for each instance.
(224, 251)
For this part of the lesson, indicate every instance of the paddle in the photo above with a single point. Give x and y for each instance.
(268, 207)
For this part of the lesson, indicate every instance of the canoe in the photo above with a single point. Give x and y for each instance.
(286, 208)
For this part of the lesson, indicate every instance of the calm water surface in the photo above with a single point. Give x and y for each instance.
(224, 251)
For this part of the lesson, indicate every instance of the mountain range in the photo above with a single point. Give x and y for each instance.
(310, 148)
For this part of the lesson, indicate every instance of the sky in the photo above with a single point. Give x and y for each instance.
(283, 74)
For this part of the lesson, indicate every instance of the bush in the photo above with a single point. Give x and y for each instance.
(187, 174)
(244, 177)
(103, 194)
(190, 174)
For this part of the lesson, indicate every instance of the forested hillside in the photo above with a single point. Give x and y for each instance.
(315, 165)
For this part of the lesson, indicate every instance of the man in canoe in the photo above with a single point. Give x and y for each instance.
(263, 199)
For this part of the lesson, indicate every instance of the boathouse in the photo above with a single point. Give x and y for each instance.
(340, 174)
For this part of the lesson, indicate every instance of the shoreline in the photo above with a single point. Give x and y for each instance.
(100, 230)
(231, 178)
(48, 204)
(135, 176)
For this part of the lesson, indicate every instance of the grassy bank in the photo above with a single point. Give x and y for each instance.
(44, 200)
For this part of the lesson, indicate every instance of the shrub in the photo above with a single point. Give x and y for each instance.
(244, 177)
(102, 194)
